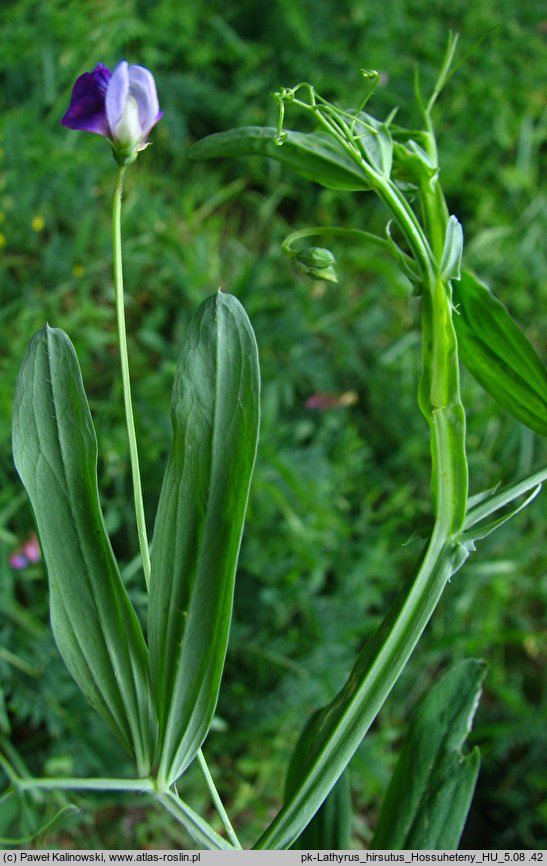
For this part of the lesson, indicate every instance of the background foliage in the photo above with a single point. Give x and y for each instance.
(338, 490)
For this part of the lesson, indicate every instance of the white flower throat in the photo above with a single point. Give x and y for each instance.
(128, 130)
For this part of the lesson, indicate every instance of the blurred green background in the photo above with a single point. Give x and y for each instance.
(337, 493)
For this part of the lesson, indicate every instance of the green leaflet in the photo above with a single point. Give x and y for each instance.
(498, 354)
(316, 156)
(430, 792)
(411, 162)
(375, 142)
(453, 248)
(199, 524)
(93, 620)
(484, 504)
(330, 827)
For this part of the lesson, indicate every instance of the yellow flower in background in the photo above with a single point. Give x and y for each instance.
(78, 270)
(2, 240)
(38, 223)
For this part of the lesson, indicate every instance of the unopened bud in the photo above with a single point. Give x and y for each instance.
(317, 262)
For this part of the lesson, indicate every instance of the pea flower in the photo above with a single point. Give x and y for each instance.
(121, 105)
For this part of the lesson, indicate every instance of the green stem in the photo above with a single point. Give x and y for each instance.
(124, 358)
(408, 224)
(332, 231)
(434, 209)
(216, 800)
(383, 659)
(69, 784)
(376, 671)
(439, 393)
(198, 828)
(435, 216)
(402, 212)
(337, 231)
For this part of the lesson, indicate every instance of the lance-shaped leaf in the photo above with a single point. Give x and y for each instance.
(317, 156)
(93, 620)
(498, 354)
(330, 827)
(430, 792)
(200, 522)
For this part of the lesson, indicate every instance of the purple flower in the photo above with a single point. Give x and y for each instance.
(121, 105)
(18, 561)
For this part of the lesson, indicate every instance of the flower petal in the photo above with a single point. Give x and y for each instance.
(87, 103)
(116, 95)
(142, 88)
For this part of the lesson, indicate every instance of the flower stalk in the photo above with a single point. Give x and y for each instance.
(123, 107)
(126, 382)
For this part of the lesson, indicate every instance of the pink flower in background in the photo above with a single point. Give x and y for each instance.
(28, 553)
(324, 402)
(18, 561)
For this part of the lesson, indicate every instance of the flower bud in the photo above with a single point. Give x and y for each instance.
(317, 262)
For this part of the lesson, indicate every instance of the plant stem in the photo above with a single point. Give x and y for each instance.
(379, 665)
(333, 231)
(216, 800)
(375, 672)
(402, 212)
(198, 828)
(124, 358)
(69, 784)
